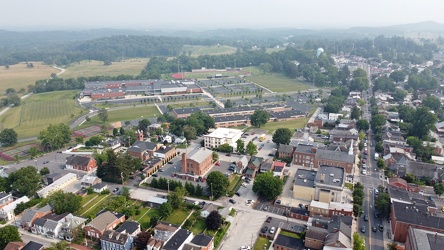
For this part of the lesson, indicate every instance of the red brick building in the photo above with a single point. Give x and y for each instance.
(334, 158)
(398, 182)
(304, 155)
(143, 149)
(80, 162)
(419, 216)
(197, 162)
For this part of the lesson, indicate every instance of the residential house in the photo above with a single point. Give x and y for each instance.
(176, 242)
(49, 225)
(397, 182)
(337, 135)
(163, 231)
(113, 144)
(420, 239)
(80, 162)
(253, 166)
(132, 228)
(197, 162)
(30, 215)
(332, 233)
(319, 208)
(112, 240)
(7, 211)
(69, 224)
(51, 178)
(207, 209)
(200, 242)
(419, 216)
(267, 166)
(339, 208)
(152, 165)
(32, 245)
(340, 238)
(89, 181)
(106, 220)
(59, 184)
(100, 187)
(242, 164)
(299, 213)
(285, 151)
(284, 242)
(314, 237)
(166, 153)
(439, 128)
(180, 140)
(278, 170)
(5, 199)
(15, 245)
(422, 169)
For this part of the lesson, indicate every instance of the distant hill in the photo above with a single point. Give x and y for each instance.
(428, 26)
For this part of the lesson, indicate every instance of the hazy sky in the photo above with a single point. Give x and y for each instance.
(205, 14)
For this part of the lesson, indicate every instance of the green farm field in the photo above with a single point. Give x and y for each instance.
(276, 82)
(19, 76)
(96, 68)
(39, 110)
(198, 50)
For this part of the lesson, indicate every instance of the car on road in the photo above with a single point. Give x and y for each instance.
(381, 227)
(272, 230)
(269, 219)
(264, 229)
(170, 162)
(365, 217)
(271, 154)
(217, 164)
(228, 155)
(232, 201)
(245, 248)
(363, 229)
(374, 229)
(115, 189)
(45, 162)
(364, 172)
(237, 193)
(154, 175)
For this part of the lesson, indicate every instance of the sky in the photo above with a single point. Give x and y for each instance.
(211, 14)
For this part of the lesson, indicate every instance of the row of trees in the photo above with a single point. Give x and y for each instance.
(115, 167)
(196, 124)
(358, 198)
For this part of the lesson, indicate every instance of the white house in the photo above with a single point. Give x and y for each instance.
(100, 187)
(207, 209)
(59, 184)
(179, 140)
(7, 212)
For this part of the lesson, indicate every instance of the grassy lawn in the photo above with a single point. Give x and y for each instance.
(19, 76)
(129, 113)
(177, 216)
(219, 234)
(87, 198)
(292, 125)
(92, 209)
(260, 242)
(234, 179)
(275, 82)
(39, 110)
(349, 185)
(197, 50)
(145, 219)
(87, 68)
(198, 226)
(232, 212)
(290, 234)
(195, 103)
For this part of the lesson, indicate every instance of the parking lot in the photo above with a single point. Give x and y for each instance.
(280, 223)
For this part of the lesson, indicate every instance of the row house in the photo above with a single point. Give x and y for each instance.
(253, 166)
(105, 220)
(122, 238)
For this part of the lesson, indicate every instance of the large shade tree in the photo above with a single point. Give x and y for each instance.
(217, 184)
(25, 181)
(267, 185)
(259, 118)
(8, 137)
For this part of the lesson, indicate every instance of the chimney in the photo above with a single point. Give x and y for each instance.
(184, 162)
(139, 135)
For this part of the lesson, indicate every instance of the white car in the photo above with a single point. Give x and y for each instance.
(364, 172)
(245, 248)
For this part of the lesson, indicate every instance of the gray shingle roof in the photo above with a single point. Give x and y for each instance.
(78, 160)
(416, 215)
(199, 154)
(288, 149)
(202, 240)
(102, 220)
(141, 146)
(334, 156)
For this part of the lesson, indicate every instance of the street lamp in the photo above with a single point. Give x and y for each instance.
(177, 66)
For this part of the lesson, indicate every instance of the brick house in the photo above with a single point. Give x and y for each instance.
(338, 208)
(285, 151)
(152, 165)
(283, 242)
(80, 162)
(143, 149)
(304, 155)
(197, 162)
(104, 221)
(419, 216)
(314, 237)
(253, 166)
(167, 153)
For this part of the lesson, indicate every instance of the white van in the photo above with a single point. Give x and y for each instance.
(376, 191)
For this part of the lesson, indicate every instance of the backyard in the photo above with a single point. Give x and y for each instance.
(178, 216)
(262, 243)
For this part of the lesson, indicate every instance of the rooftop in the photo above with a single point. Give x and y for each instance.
(78, 160)
(183, 111)
(305, 178)
(129, 227)
(426, 240)
(334, 156)
(289, 242)
(231, 118)
(416, 215)
(32, 245)
(329, 175)
(224, 133)
(285, 149)
(102, 220)
(199, 154)
(202, 240)
(302, 148)
(115, 237)
(319, 204)
(141, 146)
(177, 239)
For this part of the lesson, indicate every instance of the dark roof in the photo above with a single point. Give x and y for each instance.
(152, 161)
(420, 169)
(267, 165)
(342, 218)
(416, 215)
(141, 146)
(3, 195)
(286, 114)
(39, 222)
(329, 175)
(302, 148)
(202, 240)
(436, 241)
(256, 161)
(232, 110)
(285, 148)
(99, 185)
(164, 149)
(129, 227)
(177, 239)
(305, 177)
(32, 246)
(334, 156)
(398, 193)
(115, 237)
(289, 242)
(297, 210)
(183, 111)
(231, 118)
(78, 160)
(316, 233)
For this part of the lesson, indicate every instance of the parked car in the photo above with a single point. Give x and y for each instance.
(374, 229)
(269, 219)
(232, 201)
(265, 208)
(154, 175)
(381, 227)
(365, 217)
(270, 154)
(237, 193)
(217, 164)
(228, 155)
(115, 189)
(272, 230)
(363, 229)
(161, 170)
(264, 229)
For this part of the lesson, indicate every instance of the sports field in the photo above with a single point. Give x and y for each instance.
(275, 82)
(19, 76)
(39, 110)
(198, 50)
(96, 68)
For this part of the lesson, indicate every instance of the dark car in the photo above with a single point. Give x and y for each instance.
(365, 217)
(228, 155)
(45, 162)
(374, 229)
(269, 219)
(237, 193)
(154, 175)
(232, 201)
(115, 189)
(363, 229)
(381, 227)
(270, 154)
(170, 162)
(264, 229)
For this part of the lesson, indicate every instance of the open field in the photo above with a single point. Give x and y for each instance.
(198, 50)
(39, 110)
(130, 114)
(275, 82)
(261, 242)
(96, 68)
(207, 73)
(178, 216)
(292, 124)
(19, 76)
